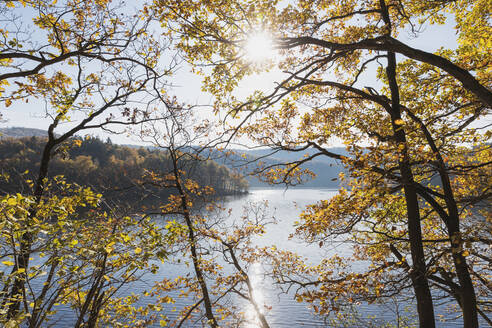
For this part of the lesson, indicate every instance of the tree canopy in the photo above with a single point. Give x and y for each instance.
(413, 121)
(417, 187)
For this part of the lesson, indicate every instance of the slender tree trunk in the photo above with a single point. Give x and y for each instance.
(17, 292)
(420, 283)
(35, 316)
(96, 308)
(93, 294)
(261, 317)
(192, 239)
(468, 300)
(467, 290)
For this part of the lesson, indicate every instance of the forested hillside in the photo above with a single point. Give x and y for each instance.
(326, 170)
(113, 170)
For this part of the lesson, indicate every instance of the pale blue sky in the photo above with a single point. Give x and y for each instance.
(188, 86)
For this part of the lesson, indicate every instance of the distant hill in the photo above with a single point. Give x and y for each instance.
(119, 173)
(325, 168)
(19, 132)
(285, 156)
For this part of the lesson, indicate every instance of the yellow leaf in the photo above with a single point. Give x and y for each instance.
(8, 102)
(138, 250)
(399, 122)
(9, 263)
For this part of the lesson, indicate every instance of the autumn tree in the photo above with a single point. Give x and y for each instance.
(200, 229)
(412, 121)
(82, 257)
(92, 64)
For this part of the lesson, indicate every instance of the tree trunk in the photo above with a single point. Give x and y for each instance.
(467, 291)
(22, 261)
(192, 240)
(468, 300)
(420, 283)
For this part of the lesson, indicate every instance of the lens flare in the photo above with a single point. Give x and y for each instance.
(259, 47)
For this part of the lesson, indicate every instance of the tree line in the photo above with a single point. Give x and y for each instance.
(117, 172)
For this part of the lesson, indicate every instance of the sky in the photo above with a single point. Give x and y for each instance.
(187, 87)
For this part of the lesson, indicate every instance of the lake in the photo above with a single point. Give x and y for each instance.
(285, 206)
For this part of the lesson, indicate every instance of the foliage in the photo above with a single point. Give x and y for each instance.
(91, 63)
(416, 201)
(116, 171)
(419, 152)
(82, 257)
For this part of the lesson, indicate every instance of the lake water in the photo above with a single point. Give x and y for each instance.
(285, 206)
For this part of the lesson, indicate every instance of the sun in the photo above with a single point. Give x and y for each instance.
(259, 47)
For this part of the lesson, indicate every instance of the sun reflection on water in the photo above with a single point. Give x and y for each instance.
(256, 279)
